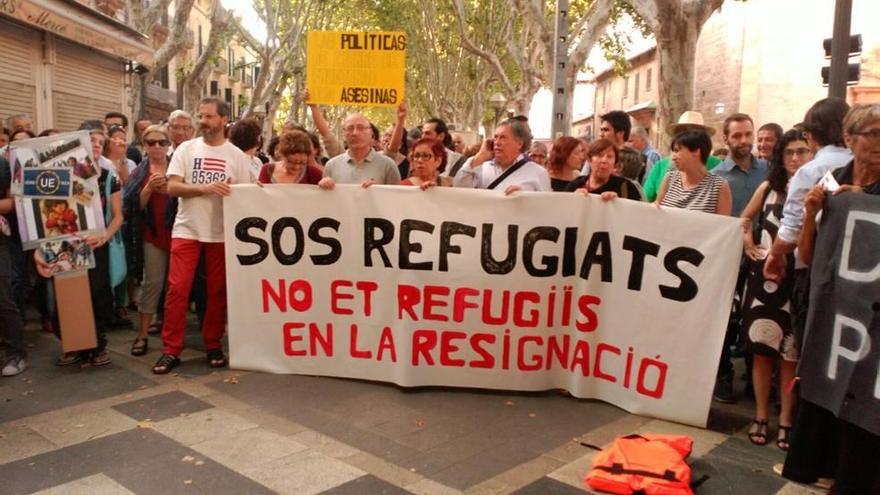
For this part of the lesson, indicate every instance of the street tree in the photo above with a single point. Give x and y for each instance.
(676, 25)
(144, 19)
(280, 54)
(222, 28)
(442, 79)
(513, 50)
(524, 62)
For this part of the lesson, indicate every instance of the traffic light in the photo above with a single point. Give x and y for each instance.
(855, 45)
(853, 70)
(853, 73)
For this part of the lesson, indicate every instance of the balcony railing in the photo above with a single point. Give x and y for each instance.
(221, 66)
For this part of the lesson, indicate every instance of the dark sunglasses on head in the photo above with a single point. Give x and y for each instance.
(154, 142)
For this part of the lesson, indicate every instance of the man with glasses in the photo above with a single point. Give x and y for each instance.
(538, 153)
(180, 128)
(200, 174)
(360, 164)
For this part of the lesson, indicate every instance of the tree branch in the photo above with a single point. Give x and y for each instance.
(469, 45)
(154, 12)
(173, 44)
(648, 10)
(588, 30)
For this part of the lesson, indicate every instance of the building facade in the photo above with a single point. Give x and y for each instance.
(634, 92)
(64, 61)
(761, 57)
(765, 58)
(231, 77)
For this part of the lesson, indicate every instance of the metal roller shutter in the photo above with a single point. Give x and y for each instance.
(19, 57)
(86, 85)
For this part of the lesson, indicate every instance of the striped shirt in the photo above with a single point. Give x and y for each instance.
(703, 197)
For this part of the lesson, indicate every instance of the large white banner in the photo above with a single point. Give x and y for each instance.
(617, 301)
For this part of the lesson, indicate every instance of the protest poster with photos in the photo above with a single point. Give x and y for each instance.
(67, 255)
(55, 185)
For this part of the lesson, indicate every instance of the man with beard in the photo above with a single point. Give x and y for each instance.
(200, 173)
(742, 170)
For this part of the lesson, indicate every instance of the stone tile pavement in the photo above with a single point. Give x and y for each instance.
(122, 430)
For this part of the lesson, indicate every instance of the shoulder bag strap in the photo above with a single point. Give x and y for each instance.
(108, 212)
(513, 168)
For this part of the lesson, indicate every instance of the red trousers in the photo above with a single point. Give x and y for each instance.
(181, 270)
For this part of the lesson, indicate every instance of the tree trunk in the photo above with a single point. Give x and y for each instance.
(136, 95)
(676, 25)
(142, 20)
(222, 24)
(677, 52)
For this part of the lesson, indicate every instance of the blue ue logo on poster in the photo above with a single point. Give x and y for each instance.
(46, 183)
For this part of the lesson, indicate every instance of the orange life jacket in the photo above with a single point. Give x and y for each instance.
(649, 464)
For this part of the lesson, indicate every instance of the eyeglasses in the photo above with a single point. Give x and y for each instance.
(872, 135)
(801, 152)
(297, 163)
(422, 156)
(355, 128)
(180, 127)
(154, 142)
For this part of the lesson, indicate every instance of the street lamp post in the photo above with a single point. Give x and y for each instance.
(497, 102)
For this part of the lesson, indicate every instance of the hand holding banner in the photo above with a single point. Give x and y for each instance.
(840, 361)
(617, 301)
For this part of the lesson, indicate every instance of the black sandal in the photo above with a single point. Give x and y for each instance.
(165, 364)
(216, 358)
(782, 437)
(140, 346)
(758, 432)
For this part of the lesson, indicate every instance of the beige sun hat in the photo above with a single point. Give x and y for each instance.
(690, 119)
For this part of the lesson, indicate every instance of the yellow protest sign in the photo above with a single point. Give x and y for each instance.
(356, 67)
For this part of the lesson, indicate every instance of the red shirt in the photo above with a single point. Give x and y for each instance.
(312, 174)
(162, 238)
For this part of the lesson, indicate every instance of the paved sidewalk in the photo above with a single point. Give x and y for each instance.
(120, 429)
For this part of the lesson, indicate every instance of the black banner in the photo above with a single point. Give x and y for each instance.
(840, 360)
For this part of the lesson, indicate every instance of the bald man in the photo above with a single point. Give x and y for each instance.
(360, 164)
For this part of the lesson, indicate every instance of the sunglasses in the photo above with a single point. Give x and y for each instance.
(154, 142)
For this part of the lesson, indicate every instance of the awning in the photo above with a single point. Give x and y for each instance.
(585, 118)
(71, 20)
(648, 105)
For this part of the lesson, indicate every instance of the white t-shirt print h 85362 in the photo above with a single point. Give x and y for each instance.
(200, 218)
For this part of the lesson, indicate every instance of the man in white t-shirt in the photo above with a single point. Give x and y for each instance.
(200, 173)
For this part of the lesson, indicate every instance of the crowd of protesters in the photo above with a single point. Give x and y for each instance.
(163, 190)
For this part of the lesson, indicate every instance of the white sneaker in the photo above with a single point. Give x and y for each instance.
(14, 366)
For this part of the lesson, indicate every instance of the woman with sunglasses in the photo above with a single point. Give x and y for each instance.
(146, 199)
(766, 309)
(424, 161)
